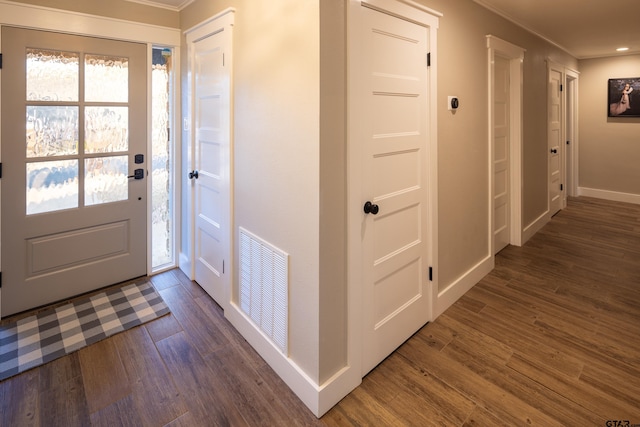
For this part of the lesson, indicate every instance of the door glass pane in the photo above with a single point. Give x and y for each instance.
(106, 79)
(52, 131)
(106, 129)
(52, 186)
(106, 180)
(52, 75)
(162, 162)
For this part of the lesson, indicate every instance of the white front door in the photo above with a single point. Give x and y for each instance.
(211, 174)
(73, 136)
(501, 155)
(555, 139)
(395, 141)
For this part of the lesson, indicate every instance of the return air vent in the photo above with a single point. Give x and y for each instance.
(264, 287)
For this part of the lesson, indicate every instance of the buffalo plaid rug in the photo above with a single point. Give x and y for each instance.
(58, 331)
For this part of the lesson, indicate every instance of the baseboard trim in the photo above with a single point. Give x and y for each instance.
(184, 263)
(318, 398)
(459, 287)
(535, 226)
(615, 196)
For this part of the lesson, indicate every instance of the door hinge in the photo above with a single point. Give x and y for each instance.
(0, 61)
(223, 59)
(0, 170)
(429, 59)
(561, 187)
(431, 274)
(560, 88)
(222, 266)
(568, 142)
(0, 279)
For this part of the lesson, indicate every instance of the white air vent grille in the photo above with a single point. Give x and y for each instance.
(264, 286)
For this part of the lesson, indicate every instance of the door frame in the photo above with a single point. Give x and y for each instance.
(423, 16)
(571, 136)
(515, 55)
(220, 22)
(48, 19)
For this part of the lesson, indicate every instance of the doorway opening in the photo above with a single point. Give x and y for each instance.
(510, 155)
(162, 162)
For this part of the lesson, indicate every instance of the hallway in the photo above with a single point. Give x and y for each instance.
(550, 337)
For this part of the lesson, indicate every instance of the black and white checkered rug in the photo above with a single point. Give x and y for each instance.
(58, 331)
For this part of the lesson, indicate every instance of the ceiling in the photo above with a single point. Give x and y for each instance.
(584, 28)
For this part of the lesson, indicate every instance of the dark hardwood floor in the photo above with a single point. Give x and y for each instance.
(549, 338)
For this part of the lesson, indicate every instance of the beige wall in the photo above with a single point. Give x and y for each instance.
(118, 9)
(609, 148)
(333, 189)
(290, 157)
(279, 163)
(463, 166)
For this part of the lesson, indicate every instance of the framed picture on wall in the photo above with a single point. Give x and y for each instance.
(624, 97)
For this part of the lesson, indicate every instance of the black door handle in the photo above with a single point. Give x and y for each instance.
(137, 174)
(193, 174)
(370, 208)
(554, 151)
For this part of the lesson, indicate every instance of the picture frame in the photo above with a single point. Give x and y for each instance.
(623, 97)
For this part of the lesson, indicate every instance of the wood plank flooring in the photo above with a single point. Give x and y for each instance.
(549, 338)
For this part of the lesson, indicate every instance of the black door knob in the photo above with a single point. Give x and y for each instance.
(554, 151)
(193, 174)
(370, 208)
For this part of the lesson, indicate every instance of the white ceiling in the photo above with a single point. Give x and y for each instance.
(584, 28)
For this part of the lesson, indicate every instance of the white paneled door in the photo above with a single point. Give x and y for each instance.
(74, 165)
(395, 141)
(555, 139)
(211, 155)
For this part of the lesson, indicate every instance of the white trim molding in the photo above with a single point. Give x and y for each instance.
(464, 283)
(46, 18)
(406, 9)
(319, 398)
(514, 21)
(515, 55)
(203, 29)
(169, 5)
(615, 196)
(572, 133)
(535, 226)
